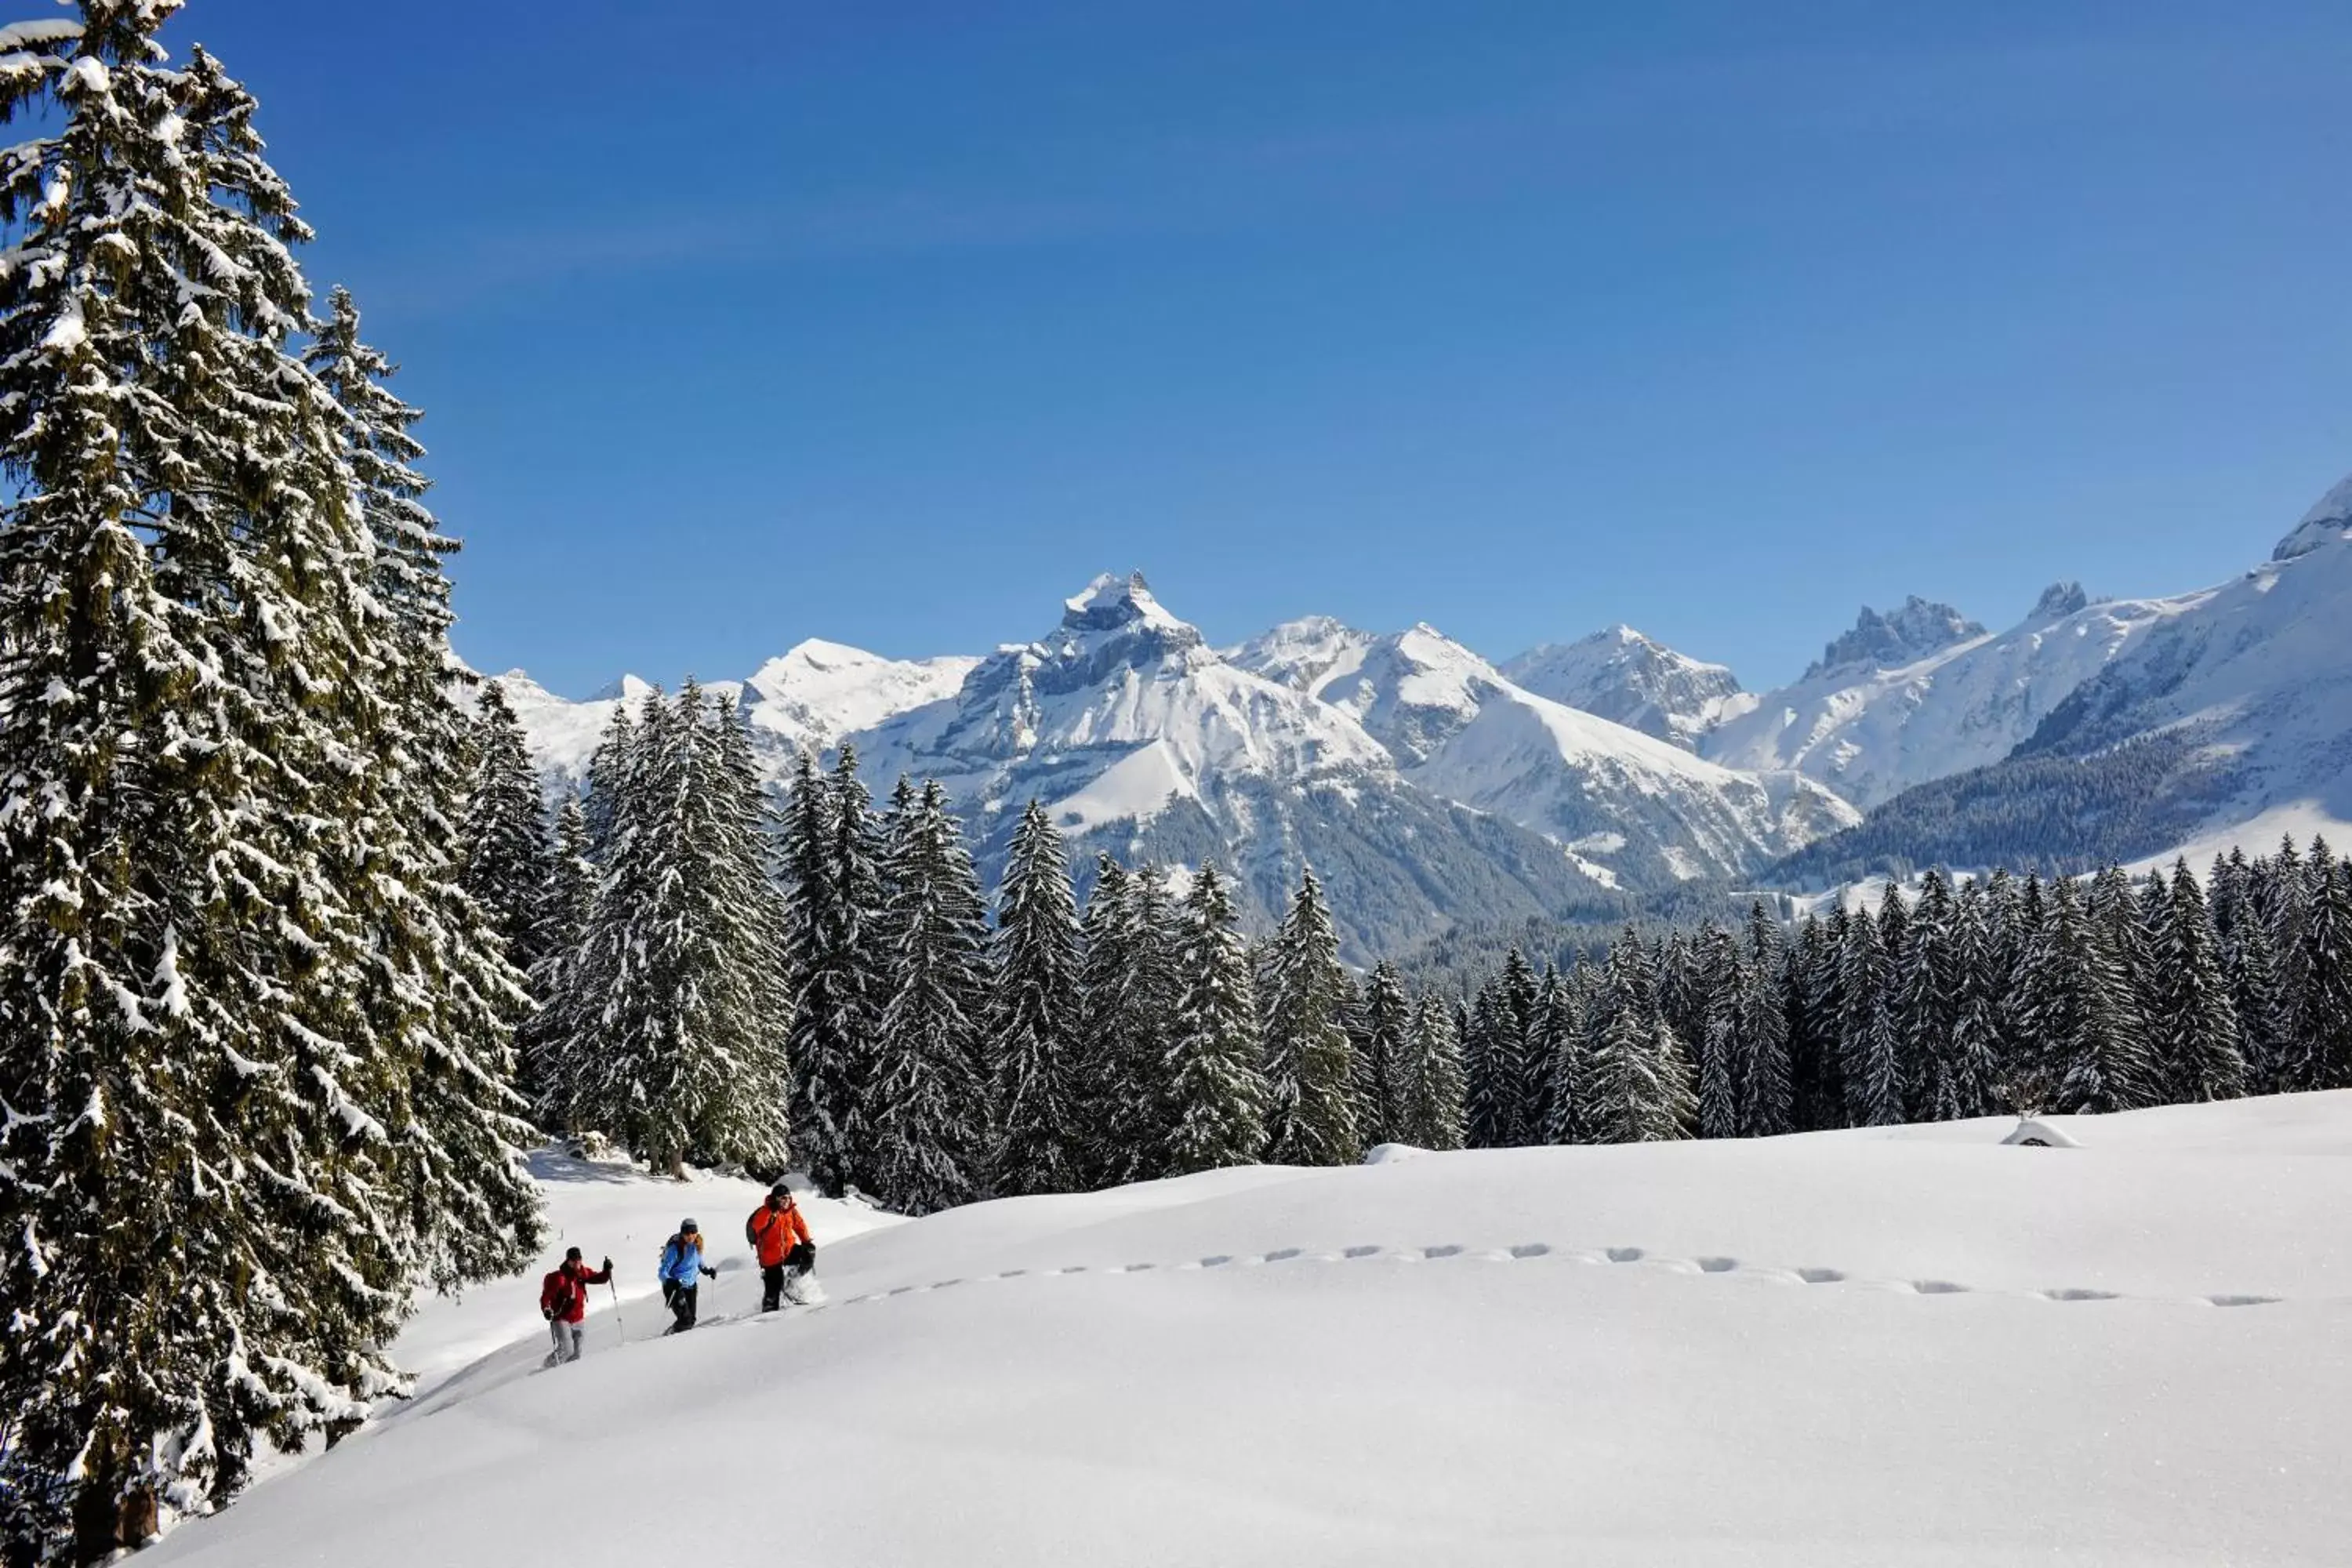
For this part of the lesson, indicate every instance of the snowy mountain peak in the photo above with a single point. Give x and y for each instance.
(2327, 522)
(2059, 600)
(1634, 680)
(1111, 602)
(1890, 639)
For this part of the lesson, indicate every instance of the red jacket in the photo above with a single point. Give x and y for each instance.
(564, 1293)
(774, 1232)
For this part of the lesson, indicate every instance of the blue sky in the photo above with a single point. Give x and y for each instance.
(892, 323)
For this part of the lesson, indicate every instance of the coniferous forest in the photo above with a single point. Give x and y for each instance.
(936, 1055)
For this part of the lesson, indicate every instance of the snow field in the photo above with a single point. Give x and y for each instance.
(1906, 1346)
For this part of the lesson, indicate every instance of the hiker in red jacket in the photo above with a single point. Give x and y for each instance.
(563, 1303)
(779, 1232)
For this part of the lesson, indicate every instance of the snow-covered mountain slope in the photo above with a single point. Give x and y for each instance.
(1143, 740)
(1643, 684)
(805, 701)
(2218, 717)
(1635, 810)
(1870, 729)
(1899, 1348)
(2255, 676)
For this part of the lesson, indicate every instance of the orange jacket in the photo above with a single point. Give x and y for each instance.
(775, 1231)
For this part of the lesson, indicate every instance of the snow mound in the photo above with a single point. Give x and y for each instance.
(1799, 1351)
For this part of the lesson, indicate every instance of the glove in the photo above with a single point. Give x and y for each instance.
(547, 1313)
(608, 1266)
(708, 1272)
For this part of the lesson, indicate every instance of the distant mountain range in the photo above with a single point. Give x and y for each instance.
(1430, 786)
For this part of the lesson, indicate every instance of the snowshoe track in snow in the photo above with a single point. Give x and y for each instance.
(1532, 1251)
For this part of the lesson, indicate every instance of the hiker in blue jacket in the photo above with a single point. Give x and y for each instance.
(682, 1272)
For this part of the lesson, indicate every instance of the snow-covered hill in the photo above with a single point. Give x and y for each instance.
(1635, 810)
(1896, 1347)
(1641, 683)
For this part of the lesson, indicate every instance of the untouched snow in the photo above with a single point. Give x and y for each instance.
(1908, 1346)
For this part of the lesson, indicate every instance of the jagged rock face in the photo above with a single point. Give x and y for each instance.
(2327, 522)
(2059, 600)
(1895, 637)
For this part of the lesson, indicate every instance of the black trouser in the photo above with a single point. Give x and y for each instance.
(681, 1305)
(799, 1260)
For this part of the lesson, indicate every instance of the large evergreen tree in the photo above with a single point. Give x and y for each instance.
(508, 855)
(1216, 1086)
(1382, 1050)
(672, 1024)
(1721, 989)
(1430, 1083)
(1034, 1015)
(1312, 1114)
(1766, 1095)
(1868, 1050)
(1639, 1082)
(928, 1113)
(2197, 1039)
(234, 939)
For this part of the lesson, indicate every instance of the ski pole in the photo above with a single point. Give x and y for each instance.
(617, 1322)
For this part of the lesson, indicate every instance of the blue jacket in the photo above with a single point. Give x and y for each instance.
(681, 1260)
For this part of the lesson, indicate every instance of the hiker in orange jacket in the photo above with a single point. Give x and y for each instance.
(563, 1303)
(779, 1233)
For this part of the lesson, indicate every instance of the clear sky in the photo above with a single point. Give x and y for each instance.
(892, 323)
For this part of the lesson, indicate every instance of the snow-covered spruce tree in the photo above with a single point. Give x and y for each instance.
(559, 928)
(567, 1037)
(1638, 1080)
(1429, 1083)
(1106, 973)
(1557, 1020)
(2265, 1028)
(1216, 1084)
(929, 1112)
(222, 999)
(1518, 1064)
(1925, 987)
(1567, 1031)
(1035, 1014)
(1867, 1048)
(675, 1017)
(1147, 1111)
(1766, 1095)
(1964, 1079)
(1486, 1062)
(1310, 1069)
(1381, 1055)
(2284, 894)
(2327, 969)
(508, 856)
(865, 969)
(828, 860)
(1720, 984)
(2197, 1045)
(1816, 1005)
(2082, 1011)
(600, 802)
(2117, 923)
